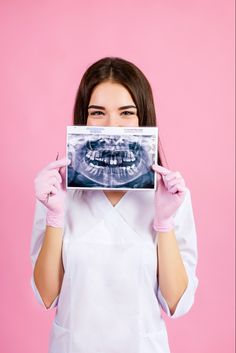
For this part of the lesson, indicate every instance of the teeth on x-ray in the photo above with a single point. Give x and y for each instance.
(110, 158)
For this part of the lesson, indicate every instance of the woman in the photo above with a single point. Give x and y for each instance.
(110, 260)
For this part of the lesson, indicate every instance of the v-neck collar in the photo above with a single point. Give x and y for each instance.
(97, 197)
(122, 199)
(136, 208)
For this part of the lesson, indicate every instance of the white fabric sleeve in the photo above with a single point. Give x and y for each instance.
(39, 226)
(185, 232)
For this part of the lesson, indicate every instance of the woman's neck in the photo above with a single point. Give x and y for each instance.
(114, 196)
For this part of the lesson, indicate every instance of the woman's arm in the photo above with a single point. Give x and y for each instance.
(48, 270)
(171, 274)
(176, 243)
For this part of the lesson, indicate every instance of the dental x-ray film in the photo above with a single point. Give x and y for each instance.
(111, 157)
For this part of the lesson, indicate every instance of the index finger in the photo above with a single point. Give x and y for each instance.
(58, 164)
(160, 169)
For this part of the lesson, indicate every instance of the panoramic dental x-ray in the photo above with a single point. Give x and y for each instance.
(111, 157)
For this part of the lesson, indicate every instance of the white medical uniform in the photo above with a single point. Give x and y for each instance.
(110, 300)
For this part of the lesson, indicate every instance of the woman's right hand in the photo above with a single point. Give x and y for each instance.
(51, 180)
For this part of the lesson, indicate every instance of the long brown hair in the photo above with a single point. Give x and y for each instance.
(127, 74)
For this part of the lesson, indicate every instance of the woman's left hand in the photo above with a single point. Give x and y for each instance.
(168, 197)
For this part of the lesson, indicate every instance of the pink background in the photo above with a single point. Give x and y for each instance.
(186, 49)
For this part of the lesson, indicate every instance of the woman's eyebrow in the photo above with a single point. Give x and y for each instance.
(102, 108)
(127, 107)
(96, 107)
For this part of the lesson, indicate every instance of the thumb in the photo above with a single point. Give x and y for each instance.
(62, 172)
(160, 169)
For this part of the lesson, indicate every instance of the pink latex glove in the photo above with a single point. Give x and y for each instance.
(168, 197)
(52, 180)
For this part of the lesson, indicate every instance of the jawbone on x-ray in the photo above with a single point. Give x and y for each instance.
(111, 157)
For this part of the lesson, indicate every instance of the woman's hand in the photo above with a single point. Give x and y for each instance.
(168, 197)
(50, 189)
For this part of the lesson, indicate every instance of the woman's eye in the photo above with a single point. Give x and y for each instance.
(128, 113)
(97, 113)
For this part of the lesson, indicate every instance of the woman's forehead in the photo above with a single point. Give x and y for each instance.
(110, 93)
